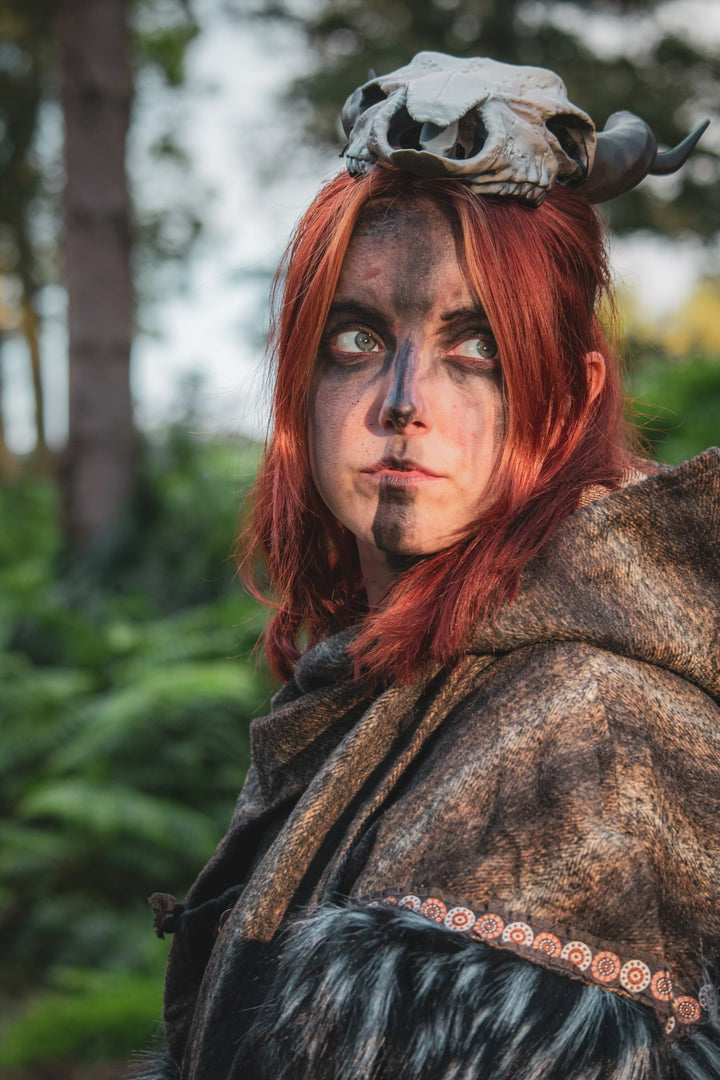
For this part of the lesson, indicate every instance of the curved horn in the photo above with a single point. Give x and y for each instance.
(625, 152)
(669, 161)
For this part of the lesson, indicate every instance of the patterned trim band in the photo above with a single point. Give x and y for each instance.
(601, 966)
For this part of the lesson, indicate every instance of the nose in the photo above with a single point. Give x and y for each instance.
(402, 405)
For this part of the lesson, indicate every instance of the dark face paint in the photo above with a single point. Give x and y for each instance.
(393, 517)
(392, 521)
(406, 418)
(399, 408)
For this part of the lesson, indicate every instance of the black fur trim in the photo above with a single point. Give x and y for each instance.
(153, 1065)
(382, 994)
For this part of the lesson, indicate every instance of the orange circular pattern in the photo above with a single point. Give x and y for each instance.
(578, 953)
(547, 943)
(389, 899)
(605, 966)
(519, 933)
(459, 918)
(434, 909)
(488, 926)
(635, 976)
(410, 901)
(687, 1009)
(661, 986)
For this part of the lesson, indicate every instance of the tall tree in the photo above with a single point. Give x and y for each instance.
(90, 49)
(24, 29)
(663, 76)
(96, 91)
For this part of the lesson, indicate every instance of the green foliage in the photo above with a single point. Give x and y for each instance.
(678, 406)
(29, 542)
(173, 548)
(164, 47)
(126, 688)
(88, 1016)
(26, 38)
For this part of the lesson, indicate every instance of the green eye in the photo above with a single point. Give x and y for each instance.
(365, 342)
(354, 341)
(484, 347)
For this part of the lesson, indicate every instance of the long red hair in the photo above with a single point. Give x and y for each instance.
(540, 274)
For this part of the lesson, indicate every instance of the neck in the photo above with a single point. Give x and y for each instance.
(380, 569)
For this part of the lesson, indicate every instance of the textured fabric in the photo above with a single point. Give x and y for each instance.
(567, 770)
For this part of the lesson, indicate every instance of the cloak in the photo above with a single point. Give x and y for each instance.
(506, 869)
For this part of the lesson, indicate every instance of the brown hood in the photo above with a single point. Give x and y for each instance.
(636, 572)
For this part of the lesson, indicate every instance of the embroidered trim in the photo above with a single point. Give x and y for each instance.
(601, 966)
(578, 953)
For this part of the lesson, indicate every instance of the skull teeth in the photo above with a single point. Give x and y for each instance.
(356, 166)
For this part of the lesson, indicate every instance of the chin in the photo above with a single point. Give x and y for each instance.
(418, 550)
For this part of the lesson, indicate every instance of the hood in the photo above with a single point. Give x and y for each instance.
(636, 572)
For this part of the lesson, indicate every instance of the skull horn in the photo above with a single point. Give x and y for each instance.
(669, 161)
(626, 152)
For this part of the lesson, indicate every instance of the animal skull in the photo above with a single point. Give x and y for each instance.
(505, 130)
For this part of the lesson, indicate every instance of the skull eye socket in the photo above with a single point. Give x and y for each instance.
(359, 102)
(371, 95)
(471, 137)
(404, 132)
(568, 134)
(463, 139)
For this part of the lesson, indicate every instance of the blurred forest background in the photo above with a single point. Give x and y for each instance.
(126, 675)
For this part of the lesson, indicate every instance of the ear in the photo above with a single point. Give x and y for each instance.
(594, 373)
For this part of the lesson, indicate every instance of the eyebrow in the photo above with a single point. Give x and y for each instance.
(465, 313)
(356, 310)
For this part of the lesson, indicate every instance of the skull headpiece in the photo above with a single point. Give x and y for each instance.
(504, 129)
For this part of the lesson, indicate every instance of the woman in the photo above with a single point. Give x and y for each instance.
(479, 836)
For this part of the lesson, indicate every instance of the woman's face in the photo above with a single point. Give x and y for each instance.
(407, 414)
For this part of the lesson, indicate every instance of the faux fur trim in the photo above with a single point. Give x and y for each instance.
(153, 1065)
(499, 925)
(382, 994)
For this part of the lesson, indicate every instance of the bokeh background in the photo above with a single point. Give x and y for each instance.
(154, 155)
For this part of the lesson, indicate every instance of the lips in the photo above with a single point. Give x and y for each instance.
(401, 468)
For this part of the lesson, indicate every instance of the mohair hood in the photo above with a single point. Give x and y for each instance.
(564, 776)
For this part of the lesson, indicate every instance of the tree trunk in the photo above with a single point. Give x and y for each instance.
(31, 332)
(98, 470)
(8, 464)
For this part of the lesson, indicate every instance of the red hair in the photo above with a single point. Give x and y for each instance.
(540, 273)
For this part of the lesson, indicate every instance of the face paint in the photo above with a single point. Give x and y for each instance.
(398, 405)
(406, 418)
(393, 520)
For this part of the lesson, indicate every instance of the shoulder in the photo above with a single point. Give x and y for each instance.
(572, 674)
(635, 573)
(562, 715)
(544, 782)
(569, 701)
